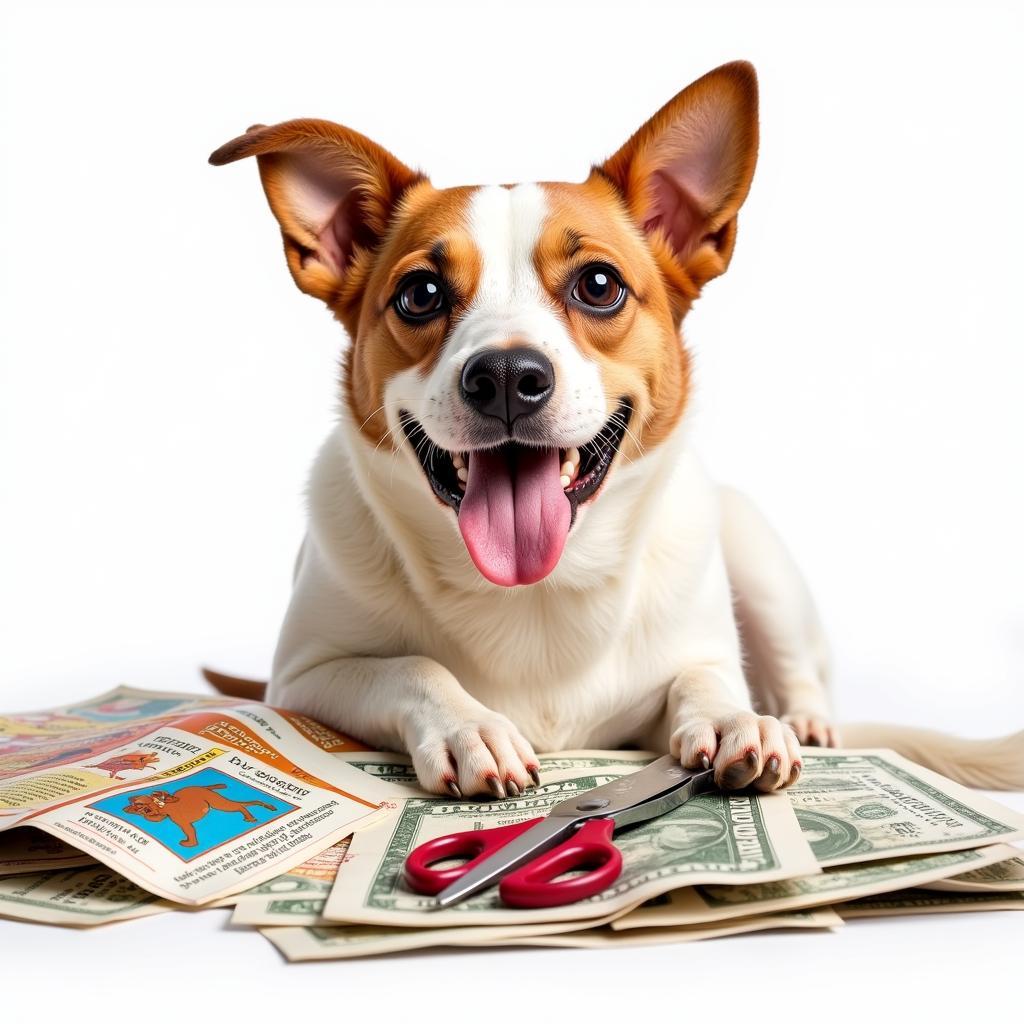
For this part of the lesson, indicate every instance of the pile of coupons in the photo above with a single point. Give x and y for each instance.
(137, 803)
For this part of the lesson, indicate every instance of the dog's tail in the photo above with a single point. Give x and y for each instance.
(982, 764)
(234, 686)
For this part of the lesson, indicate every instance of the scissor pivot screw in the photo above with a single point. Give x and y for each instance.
(591, 805)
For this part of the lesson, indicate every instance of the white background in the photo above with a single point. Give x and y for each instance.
(163, 387)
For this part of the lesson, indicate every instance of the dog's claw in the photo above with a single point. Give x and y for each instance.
(535, 775)
(453, 788)
(705, 761)
(495, 786)
(513, 789)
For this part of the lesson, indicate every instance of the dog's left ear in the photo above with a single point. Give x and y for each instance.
(332, 190)
(686, 172)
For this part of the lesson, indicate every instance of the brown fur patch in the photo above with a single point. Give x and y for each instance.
(429, 232)
(638, 349)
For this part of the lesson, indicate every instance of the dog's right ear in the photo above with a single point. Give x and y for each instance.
(333, 192)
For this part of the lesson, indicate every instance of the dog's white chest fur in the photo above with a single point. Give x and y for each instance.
(584, 659)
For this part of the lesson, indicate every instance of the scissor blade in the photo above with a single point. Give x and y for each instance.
(663, 785)
(533, 842)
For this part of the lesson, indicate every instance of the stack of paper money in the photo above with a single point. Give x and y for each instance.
(864, 833)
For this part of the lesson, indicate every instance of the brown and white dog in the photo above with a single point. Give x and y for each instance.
(512, 546)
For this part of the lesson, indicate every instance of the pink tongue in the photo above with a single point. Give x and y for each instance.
(514, 515)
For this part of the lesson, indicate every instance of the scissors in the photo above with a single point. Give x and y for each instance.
(528, 857)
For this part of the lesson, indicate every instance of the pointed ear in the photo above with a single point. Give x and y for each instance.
(332, 191)
(686, 172)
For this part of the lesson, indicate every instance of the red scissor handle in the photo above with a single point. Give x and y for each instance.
(422, 877)
(589, 848)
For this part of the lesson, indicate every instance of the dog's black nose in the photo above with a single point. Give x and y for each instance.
(508, 382)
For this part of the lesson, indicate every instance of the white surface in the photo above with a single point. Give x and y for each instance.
(163, 387)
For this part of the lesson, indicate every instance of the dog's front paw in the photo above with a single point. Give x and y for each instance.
(746, 749)
(812, 730)
(484, 755)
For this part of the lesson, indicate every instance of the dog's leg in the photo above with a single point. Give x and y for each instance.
(708, 724)
(414, 704)
(783, 641)
(189, 828)
(408, 703)
(708, 716)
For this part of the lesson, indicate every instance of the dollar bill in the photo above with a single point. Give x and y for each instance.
(700, 904)
(27, 850)
(608, 938)
(342, 942)
(79, 896)
(296, 897)
(714, 837)
(861, 805)
(325, 942)
(924, 901)
(1006, 876)
(398, 769)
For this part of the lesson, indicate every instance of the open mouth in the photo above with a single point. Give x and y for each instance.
(515, 502)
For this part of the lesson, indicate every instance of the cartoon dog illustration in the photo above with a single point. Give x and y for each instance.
(136, 761)
(187, 806)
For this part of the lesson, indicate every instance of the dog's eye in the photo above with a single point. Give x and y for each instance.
(600, 288)
(419, 297)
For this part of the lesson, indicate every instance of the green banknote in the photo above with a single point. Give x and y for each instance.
(397, 768)
(714, 837)
(698, 904)
(924, 901)
(295, 898)
(608, 938)
(80, 896)
(1006, 876)
(343, 942)
(855, 806)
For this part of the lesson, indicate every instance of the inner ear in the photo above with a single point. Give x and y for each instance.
(332, 190)
(674, 212)
(685, 173)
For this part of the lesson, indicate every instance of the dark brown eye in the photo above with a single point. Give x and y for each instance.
(420, 297)
(600, 288)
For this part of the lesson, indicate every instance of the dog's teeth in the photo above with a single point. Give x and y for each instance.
(457, 461)
(564, 481)
(571, 464)
(462, 473)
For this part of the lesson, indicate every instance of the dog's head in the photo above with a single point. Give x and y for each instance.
(150, 805)
(516, 341)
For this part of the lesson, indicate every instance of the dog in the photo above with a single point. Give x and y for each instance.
(512, 546)
(136, 761)
(187, 806)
